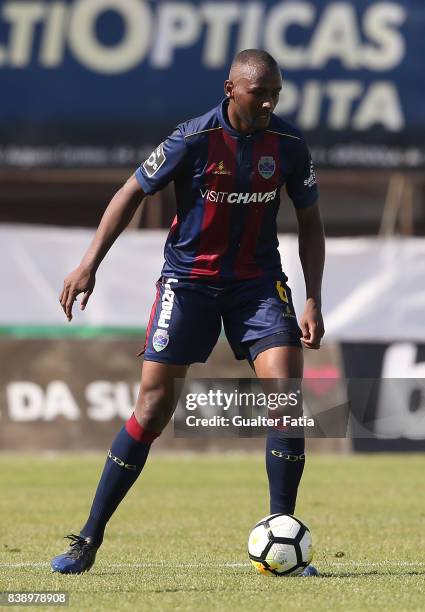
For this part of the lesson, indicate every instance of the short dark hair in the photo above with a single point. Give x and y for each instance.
(254, 57)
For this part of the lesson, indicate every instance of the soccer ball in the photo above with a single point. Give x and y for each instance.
(280, 545)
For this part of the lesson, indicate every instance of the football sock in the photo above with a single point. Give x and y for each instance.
(285, 464)
(124, 462)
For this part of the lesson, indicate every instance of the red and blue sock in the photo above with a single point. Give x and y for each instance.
(124, 463)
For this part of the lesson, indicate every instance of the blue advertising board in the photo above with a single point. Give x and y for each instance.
(100, 82)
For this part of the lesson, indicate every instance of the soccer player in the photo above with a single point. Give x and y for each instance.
(222, 264)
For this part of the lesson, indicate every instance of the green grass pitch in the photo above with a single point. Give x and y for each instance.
(178, 542)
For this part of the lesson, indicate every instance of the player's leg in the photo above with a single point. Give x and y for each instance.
(280, 369)
(127, 456)
(261, 326)
(179, 313)
(172, 343)
(125, 461)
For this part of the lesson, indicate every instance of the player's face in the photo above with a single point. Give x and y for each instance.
(253, 96)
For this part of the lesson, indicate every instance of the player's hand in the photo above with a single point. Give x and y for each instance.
(79, 281)
(311, 324)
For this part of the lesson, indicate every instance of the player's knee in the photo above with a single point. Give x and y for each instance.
(153, 409)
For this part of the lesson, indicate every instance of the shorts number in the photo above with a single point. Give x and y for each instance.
(281, 291)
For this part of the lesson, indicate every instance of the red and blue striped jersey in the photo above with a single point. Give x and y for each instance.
(227, 187)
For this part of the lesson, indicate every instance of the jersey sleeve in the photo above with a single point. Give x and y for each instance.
(301, 185)
(163, 164)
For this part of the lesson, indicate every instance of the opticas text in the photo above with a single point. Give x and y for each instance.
(45, 33)
(157, 31)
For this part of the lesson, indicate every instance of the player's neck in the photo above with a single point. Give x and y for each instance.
(236, 122)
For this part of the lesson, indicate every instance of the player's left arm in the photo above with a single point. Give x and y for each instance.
(311, 239)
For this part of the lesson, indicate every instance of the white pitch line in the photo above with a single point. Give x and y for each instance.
(16, 565)
(334, 564)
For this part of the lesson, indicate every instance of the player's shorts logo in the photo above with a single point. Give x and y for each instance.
(288, 313)
(155, 160)
(160, 340)
(167, 303)
(266, 166)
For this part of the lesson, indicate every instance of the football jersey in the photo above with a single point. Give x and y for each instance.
(227, 187)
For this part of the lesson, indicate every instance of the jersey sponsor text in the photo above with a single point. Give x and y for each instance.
(233, 197)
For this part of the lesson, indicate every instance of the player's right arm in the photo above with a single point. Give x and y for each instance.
(162, 166)
(116, 217)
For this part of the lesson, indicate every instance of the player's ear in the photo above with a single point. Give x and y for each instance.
(228, 89)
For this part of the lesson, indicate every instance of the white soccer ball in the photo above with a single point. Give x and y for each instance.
(280, 545)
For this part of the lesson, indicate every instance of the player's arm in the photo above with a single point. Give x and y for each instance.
(311, 240)
(115, 219)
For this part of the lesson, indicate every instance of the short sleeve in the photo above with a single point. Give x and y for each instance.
(301, 185)
(163, 164)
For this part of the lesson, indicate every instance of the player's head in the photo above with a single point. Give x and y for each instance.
(253, 89)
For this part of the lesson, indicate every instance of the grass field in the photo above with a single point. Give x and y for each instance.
(179, 540)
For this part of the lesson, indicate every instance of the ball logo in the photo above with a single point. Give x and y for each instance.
(266, 166)
(160, 340)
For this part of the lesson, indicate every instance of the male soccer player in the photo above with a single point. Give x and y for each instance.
(221, 265)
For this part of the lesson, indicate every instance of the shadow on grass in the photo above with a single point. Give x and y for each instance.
(244, 573)
(369, 573)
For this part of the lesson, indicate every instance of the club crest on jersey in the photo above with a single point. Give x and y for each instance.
(266, 166)
(155, 160)
(160, 340)
(218, 168)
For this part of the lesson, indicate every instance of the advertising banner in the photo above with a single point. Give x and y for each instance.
(392, 399)
(68, 394)
(361, 302)
(95, 83)
(75, 394)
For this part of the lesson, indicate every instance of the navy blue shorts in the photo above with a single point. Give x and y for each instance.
(186, 318)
